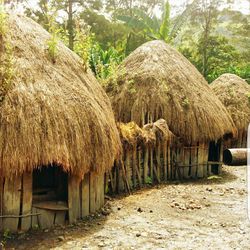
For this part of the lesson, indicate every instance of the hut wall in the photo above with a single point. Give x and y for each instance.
(18, 213)
(153, 164)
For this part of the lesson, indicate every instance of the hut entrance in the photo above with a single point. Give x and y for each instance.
(214, 156)
(50, 196)
(50, 183)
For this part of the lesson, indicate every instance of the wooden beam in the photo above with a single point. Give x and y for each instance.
(74, 198)
(85, 196)
(26, 200)
(11, 202)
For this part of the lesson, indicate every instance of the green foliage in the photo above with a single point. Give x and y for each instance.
(149, 180)
(82, 46)
(104, 62)
(54, 31)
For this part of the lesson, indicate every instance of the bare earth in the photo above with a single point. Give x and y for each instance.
(210, 214)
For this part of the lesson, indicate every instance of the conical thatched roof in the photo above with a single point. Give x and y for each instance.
(54, 112)
(234, 93)
(156, 81)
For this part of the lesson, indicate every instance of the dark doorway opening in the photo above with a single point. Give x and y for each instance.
(50, 183)
(214, 156)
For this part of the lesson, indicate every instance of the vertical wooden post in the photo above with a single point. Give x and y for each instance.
(205, 160)
(200, 160)
(158, 160)
(186, 162)
(134, 166)
(145, 171)
(121, 184)
(74, 198)
(1, 201)
(169, 170)
(128, 167)
(92, 193)
(11, 202)
(85, 196)
(165, 162)
(26, 200)
(221, 157)
(139, 167)
(194, 161)
(151, 163)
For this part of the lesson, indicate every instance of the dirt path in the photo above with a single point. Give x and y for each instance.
(208, 214)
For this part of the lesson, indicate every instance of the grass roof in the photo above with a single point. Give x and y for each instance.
(53, 112)
(156, 81)
(234, 93)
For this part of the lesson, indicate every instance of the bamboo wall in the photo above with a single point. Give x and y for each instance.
(153, 164)
(18, 213)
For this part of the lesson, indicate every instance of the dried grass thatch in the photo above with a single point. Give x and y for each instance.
(234, 93)
(155, 82)
(132, 135)
(54, 112)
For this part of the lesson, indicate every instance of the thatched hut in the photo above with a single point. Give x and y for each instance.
(234, 93)
(156, 81)
(58, 134)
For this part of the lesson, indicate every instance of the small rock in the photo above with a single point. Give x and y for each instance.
(118, 208)
(151, 211)
(209, 189)
(139, 210)
(61, 238)
(138, 234)
(46, 230)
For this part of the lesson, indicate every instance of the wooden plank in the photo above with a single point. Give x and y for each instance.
(145, 170)
(46, 219)
(200, 161)
(74, 198)
(11, 202)
(34, 219)
(1, 201)
(128, 167)
(194, 161)
(134, 167)
(180, 155)
(205, 159)
(26, 200)
(186, 163)
(101, 190)
(92, 193)
(60, 217)
(165, 162)
(139, 167)
(85, 196)
(158, 161)
(169, 170)
(151, 163)
(121, 184)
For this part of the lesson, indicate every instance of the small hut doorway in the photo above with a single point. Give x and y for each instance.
(50, 196)
(50, 183)
(214, 156)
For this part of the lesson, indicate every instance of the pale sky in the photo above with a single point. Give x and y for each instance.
(240, 5)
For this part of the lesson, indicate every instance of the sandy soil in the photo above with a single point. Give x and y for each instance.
(210, 214)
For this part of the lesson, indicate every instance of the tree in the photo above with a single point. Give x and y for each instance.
(154, 28)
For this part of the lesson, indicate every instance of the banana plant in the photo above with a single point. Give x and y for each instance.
(154, 28)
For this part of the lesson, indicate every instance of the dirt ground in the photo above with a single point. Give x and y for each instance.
(206, 214)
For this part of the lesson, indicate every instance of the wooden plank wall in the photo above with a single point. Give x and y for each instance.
(159, 163)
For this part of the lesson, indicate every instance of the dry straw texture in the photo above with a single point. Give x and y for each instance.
(234, 93)
(132, 135)
(155, 82)
(54, 113)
